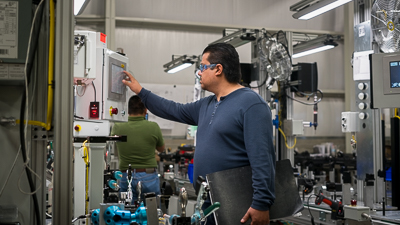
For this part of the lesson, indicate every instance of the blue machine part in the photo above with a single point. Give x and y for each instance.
(389, 174)
(171, 218)
(140, 216)
(113, 185)
(115, 216)
(275, 122)
(117, 175)
(122, 215)
(109, 214)
(95, 216)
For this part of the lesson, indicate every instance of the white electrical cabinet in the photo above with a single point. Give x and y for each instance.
(87, 45)
(99, 91)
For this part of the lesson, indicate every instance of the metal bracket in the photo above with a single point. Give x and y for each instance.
(41, 134)
(322, 216)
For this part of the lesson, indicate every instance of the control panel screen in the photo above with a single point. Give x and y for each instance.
(395, 74)
(116, 81)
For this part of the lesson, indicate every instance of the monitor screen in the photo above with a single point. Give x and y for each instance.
(117, 76)
(395, 74)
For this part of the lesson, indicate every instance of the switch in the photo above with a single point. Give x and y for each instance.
(77, 128)
(113, 111)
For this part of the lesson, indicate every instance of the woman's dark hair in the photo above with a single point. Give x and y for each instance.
(135, 106)
(227, 56)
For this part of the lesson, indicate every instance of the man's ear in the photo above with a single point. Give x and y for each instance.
(219, 69)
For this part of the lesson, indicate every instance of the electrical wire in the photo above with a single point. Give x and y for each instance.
(9, 174)
(284, 45)
(86, 159)
(263, 83)
(31, 50)
(306, 103)
(84, 90)
(19, 181)
(308, 204)
(284, 136)
(303, 93)
(32, 122)
(354, 139)
(94, 87)
(50, 85)
(396, 113)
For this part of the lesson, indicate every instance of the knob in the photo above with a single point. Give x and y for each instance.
(363, 116)
(123, 112)
(362, 105)
(362, 86)
(113, 111)
(77, 128)
(362, 96)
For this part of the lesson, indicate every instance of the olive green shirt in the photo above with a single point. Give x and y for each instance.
(143, 138)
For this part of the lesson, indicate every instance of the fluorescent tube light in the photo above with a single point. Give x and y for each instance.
(311, 51)
(321, 43)
(179, 68)
(180, 63)
(318, 9)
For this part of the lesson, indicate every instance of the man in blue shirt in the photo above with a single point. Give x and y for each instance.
(234, 126)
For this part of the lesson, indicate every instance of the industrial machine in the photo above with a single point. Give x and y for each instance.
(376, 76)
(100, 100)
(147, 211)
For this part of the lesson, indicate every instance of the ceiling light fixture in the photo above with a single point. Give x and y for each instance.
(321, 43)
(237, 37)
(306, 9)
(180, 63)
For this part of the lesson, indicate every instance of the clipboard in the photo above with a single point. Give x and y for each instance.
(233, 190)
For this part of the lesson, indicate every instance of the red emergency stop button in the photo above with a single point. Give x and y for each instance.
(77, 128)
(113, 111)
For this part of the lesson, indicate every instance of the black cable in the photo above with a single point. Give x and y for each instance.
(34, 41)
(308, 204)
(305, 103)
(263, 83)
(94, 87)
(285, 46)
(303, 93)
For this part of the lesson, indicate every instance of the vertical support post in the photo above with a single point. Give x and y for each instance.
(289, 153)
(63, 112)
(349, 103)
(110, 23)
(395, 136)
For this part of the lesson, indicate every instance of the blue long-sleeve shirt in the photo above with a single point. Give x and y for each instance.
(233, 132)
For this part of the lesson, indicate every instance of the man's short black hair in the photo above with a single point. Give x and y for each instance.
(135, 106)
(227, 56)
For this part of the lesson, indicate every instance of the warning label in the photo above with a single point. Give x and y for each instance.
(9, 29)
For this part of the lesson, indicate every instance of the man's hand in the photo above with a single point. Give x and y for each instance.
(132, 83)
(257, 217)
